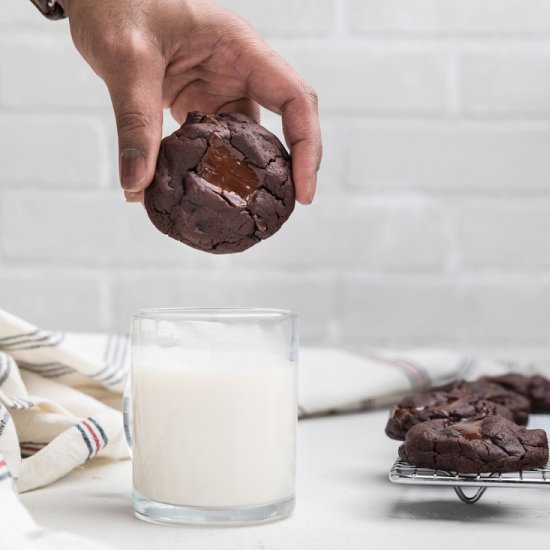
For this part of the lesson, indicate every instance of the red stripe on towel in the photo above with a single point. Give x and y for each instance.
(418, 376)
(94, 436)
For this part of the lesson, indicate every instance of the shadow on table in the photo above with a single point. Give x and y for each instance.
(451, 511)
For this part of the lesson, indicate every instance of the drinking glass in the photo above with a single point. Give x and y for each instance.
(210, 414)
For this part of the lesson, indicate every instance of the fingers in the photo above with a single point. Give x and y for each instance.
(197, 94)
(303, 134)
(136, 94)
(276, 86)
(245, 106)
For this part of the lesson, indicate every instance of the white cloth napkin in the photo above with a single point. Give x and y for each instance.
(56, 397)
(59, 401)
(60, 398)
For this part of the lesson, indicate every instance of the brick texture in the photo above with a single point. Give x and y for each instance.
(378, 79)
(286, 17)
(219, 288)
(458, 312)
(59, 299)
(52, 151)
(44, 71)
(368, 232)
(86, 229)
(457, 157)
(505, 233)
(505, 81)
(438, 16)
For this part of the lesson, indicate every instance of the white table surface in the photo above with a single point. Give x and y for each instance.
(344, 502)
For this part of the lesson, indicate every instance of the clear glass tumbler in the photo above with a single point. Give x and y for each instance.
(210, 414)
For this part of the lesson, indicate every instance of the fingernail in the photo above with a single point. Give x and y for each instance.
(312, 189)
(133, 168)
(132, 197)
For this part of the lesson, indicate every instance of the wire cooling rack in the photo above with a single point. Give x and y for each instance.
(402, 472)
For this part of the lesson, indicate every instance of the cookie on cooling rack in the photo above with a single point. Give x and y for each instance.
(535, 388)
(489, 391)
(413, 409)
(489, 444)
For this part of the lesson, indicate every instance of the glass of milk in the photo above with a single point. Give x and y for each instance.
(210, 413)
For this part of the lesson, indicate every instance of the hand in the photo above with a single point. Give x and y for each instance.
(189, 55)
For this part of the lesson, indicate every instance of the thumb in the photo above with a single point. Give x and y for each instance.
(137, 102)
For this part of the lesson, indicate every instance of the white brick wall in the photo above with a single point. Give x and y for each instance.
(464, 311)
(505, 232)
(286, 17)
(58, 298)
(378, 233)
(310, 293)
(43, 71)
(506, 80)
(41, 137)
(432, 221)
(383, 78)
(458, 157)
(97, 229)
(439, 16)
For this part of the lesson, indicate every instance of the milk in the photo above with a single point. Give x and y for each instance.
(213, 428)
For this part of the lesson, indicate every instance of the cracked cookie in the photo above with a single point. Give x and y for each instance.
(489, 391)
(535, 388)
(222, 184)
(489, 444)
(414, 409)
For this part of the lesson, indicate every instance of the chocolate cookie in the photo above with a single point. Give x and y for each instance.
(415, 409)
(222, 184)
(489, 391)
(490, 444)
(536, 388)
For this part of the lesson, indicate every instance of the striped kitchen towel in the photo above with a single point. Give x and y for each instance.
(60, 397)
(333, 381)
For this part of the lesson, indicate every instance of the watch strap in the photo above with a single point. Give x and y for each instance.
(51, 9)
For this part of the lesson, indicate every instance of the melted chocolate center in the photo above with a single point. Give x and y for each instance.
(468, 430)
(221, 168)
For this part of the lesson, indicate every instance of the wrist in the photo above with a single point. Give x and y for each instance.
(66, 5)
